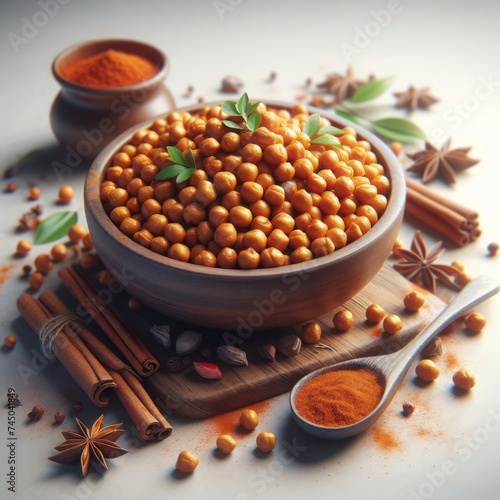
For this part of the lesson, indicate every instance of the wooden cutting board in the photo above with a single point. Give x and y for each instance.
(186, 394)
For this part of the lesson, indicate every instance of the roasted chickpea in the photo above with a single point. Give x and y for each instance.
(427, 370)
(23, 247)
(227, 258)
(225, 234)
(298, 238)
(248, 258)
(316, 229)
(224, 182)
(284, 172)
(311, 332)
(43, 263)
(159, 244)
(413, 301)
(194, 213)
(278, 239)
(226, 443)
(249, 419)
(58, 252)
(76, 233)
(247, 172)
(343, 320)
(274, 195)
(231, 200)
(266, 441)
(156, 224)
(265, 180)
(173, 210)
(230, 142)
(255, 239)
(187, 195)
(262, 223)
(275, 154)
(130, 226)
(205, 193)
(180, 252)
(475, 322)
(272, 257)
(392, 324)
(322, 246)
(66, 194)
(218, 215)
(206, 258)
(143, 237)
(118, 197)
(240, 216)
(464, 379)
(283, 221)
(260, 208)
(174, 232)
(150, 207)
(251, 192)
(301, 201)
(186, 462)
(145, 193)
(301, 254)
(35, 280)
(251, 153)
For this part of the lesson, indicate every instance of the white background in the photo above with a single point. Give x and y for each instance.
(449, 448)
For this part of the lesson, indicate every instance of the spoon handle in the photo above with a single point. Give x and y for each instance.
(477, 290)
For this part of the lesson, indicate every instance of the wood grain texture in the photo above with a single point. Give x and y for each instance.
(187, 394)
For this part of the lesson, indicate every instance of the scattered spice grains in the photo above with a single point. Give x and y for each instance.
(10, 341)
(59, 417)
(186, 462)
(385, 439)
(36, 413)
(492, 249)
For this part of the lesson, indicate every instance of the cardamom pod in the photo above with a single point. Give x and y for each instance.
(187, 342)
(289, 345)
(161, 333)
(231, 355)
(267, 351)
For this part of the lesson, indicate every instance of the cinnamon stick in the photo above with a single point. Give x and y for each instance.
(133, 350)
(469, 214)
(81, 364)
(144, 421)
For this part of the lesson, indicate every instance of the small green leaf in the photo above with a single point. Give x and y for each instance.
(346, 115)
(176, 155)
(169, 172)
(330, 129)
(231, 124)
(190, 161)
(55, 226)
(311, 127)
(372, 89)
(185, 175)
(253, 121)
(229, 107)
(398, 129)
(326, 140)
(242, 104)
(253, 107)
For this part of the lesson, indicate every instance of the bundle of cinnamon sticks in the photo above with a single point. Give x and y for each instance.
(451, 221)
(94, 366)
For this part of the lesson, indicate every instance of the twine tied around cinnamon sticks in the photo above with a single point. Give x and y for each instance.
(91, 363)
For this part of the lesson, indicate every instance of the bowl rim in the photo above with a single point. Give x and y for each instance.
(99, 45)
(392, 213)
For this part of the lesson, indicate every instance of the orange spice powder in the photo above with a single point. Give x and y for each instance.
(109, 69)
(4, 272)
(385, 439)
(339, 397)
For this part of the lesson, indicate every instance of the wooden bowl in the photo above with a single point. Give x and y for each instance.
(244, 301)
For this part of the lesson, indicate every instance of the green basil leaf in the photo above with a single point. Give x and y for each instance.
(346, 115)
(253, 122)
(330, 129)
(398, 129)
(190, 161)
(55, 226)
(185, 175)
(229, 107)
(252, 108)
(176, 155)
(311, 127)
(326, 140)
(372, 89)
(231, 124)
(169, 172)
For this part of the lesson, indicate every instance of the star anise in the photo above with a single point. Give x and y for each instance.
(99, 442)
(341, 86)
(419, 265)
(414, 98)
(432, 161)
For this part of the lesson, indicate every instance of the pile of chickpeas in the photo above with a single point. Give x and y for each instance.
(258, 199)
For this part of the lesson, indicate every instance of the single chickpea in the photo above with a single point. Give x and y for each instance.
(65, 194)
(205, 193)
(156, 224)
(343, 320)
(256, 239)
(218, 215)
(316, 229)
(374, 313)
(462, 279)
(174, 232)
(227, 258)
(344, 186)
(206, 258)
(275, 154)
(159, 244)
(118, 197)
(274, 195)
(59, 252)
(34, 193)
(104, 277)
(89, 260)
(76, 233)
(353, 232)
(194, 213)
(251, 192)
(43, 263)
(23, 247)
(329, 203)
(311, 332)
(240, 216)
(87, 242)
(263, 223)
(427, 370)
(180, 252)
(278, 239)
(249, 419)
(226, 443)
(301, 201)
(464, 379)
(475, 322)
(130, 226)
(225, 234)
(301, 254)
(247, 172)
(186, 462)
(398, 244)
(298, 238)
(134, 305)
(143, 237)
(248, 258)
(459, 265)
(251, 153)
(338, 236)
(118, 214)
(35, 280)
(392, 324)
(492, 249)
(413, 301)
(230, 142)
(266, 441)
(272, 257)
(322, 246)
(283, 221)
